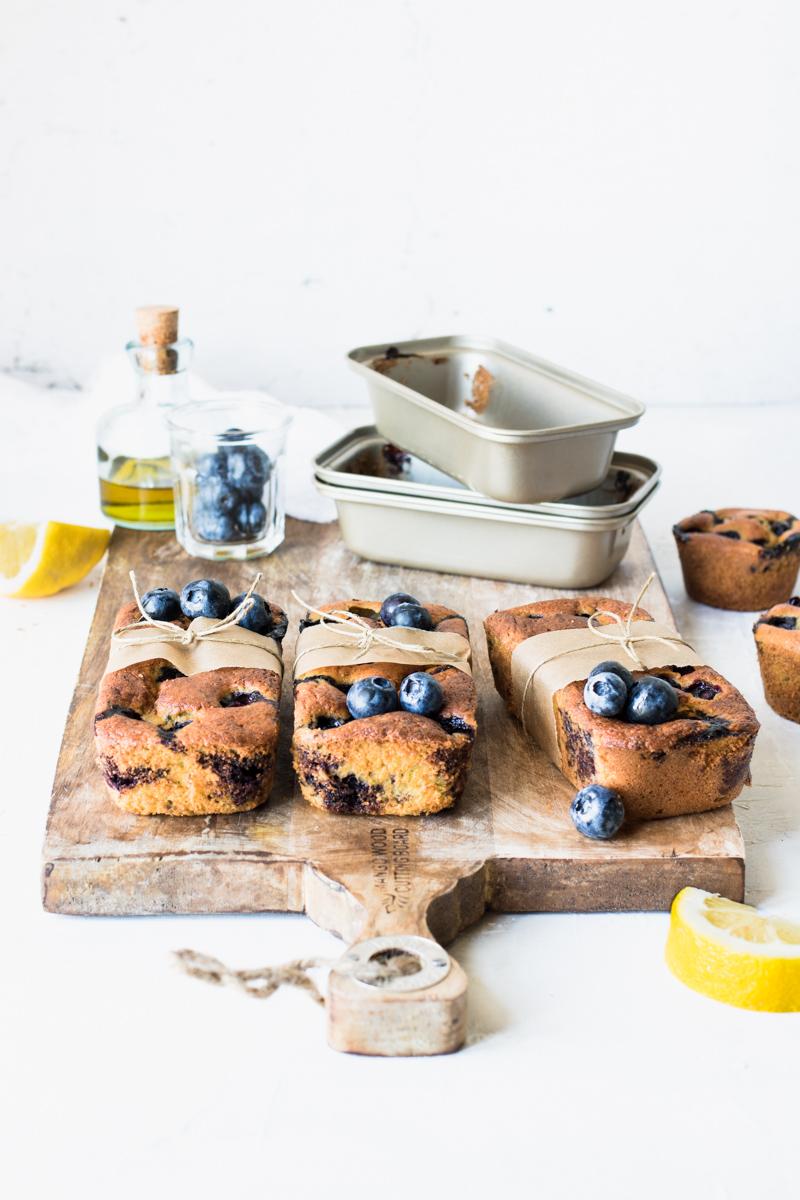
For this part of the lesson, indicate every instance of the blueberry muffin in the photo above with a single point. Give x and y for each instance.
(777, 635)
(696, 761)
(396, 762)
(180, 745)
(739, 558)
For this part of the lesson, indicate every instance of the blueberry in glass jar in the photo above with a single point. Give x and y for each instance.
(213, 526)
(422, 694)
(205, 598)
(605, 694)
(248, 470)
(218, 494)
(616, 669)
(651, 701)
(597, 812)
(251, 517)
(390, 604)
(212, 466)
(257, 617)
(162, 604)
(411, 616)
(371, 697)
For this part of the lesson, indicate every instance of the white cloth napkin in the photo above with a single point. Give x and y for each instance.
(49, 468)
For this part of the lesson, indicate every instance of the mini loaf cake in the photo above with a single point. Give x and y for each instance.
(777, 635)
(697, 761)
(397, 763)
(739, 558)
(188, 745)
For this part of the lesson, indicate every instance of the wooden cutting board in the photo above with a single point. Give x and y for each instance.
(508, 846)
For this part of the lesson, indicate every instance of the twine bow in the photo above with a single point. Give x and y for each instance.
(166, 631)
(364, 635)
(622, 634)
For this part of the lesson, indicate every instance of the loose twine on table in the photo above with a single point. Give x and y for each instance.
(365, 636)
(262, 982)
(621, 634)
(169, 632)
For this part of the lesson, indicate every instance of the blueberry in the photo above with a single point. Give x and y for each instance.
(778, 622)
(162, 604)
(372, 696)
(781, 527)
(248, 469)
(616, 669)
(605, 694)
(212, 466)
(412, 616)
(205, 598)
(218, 494)
(730, 533)
(421, 693)
(391, 603)
(251, 517)
(232, 434)
(651, 701)
(597, 812)
(213, 526)
(257, 618)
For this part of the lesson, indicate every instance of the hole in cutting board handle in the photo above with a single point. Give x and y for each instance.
(400, 963)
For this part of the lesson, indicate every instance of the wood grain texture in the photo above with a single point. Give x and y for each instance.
(509, 845)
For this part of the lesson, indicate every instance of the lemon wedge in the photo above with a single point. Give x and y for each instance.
(41, 558)
(733, 953)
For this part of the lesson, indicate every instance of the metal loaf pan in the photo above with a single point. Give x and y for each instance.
(510, 425)
(394, 509)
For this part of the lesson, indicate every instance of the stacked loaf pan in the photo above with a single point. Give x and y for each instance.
(487, 461)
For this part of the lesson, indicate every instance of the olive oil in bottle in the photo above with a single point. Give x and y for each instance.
(132, 439)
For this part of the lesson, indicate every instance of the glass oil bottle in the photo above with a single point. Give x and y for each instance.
(133, 452)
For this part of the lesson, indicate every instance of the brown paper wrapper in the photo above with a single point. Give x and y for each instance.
(325, 646)
(233, 647)
(546, 662)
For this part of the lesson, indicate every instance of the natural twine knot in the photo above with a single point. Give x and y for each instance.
(621, 633)
(365, 636)
(166, 631)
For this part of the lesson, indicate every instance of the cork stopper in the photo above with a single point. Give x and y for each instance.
(157, 326)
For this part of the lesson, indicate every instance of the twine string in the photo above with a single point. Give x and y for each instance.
(166, 631)
(353, 627)
(263, 982)
(621, 633)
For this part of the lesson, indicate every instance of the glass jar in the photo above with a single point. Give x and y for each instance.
(227, 464)
(133, 443)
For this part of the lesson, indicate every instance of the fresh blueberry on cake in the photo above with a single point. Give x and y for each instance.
(371, 696)
(257, 616)
(743, 559)
(205, 598)
(420, 693)
(352, 755)
(162, 604)
(605, 693)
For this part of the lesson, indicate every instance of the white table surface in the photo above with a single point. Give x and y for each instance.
(589, 1070)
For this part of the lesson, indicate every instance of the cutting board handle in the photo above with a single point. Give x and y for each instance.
(397, 994)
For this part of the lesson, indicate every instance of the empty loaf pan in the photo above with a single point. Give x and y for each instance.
(392, 508)
(509, 425)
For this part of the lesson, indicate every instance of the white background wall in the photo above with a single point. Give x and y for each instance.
(613, 185)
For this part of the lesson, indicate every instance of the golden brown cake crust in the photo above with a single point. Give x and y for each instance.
(399, 763)
(742, 559)
(187, 745)
(694, 763)
(777, 636)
